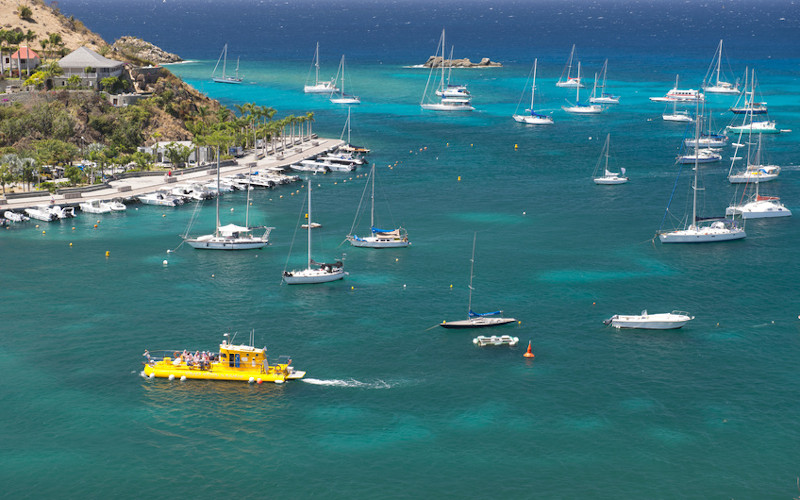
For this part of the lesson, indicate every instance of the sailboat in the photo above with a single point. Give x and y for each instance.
(719, 229)
(569, 82)
(578, 108)
(477, 320)
(319, 87)
(445, 103)
(231, 236)
(682, 116)
(604, 97)
(608, 177)
(452, 89)
(225, 78)
(316, 272)
(755, 171)
(718, 86)
(348, 147)
(746, 102)
(380, 238)
(759, 207)
(765, 126)
(339, 96)
(531, 117)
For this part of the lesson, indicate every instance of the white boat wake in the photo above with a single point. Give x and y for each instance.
(379, 384)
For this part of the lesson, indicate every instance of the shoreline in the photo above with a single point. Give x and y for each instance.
(132, 187)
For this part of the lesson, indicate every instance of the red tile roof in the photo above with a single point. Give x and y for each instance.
(24, 53)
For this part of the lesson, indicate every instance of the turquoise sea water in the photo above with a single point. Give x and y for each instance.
(393, 408)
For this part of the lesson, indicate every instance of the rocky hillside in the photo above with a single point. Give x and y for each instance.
(45, 21)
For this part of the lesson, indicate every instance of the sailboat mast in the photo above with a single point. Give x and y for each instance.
(578, 87)
(471, 271)
(696, 167)
(224, 59)
(533, 86)
(372, 199)
(316, 65)
(608, 138)
(569, 64)
(247, 206)
(218, 193)
(719, 60)
(309, 223)
(441, 86)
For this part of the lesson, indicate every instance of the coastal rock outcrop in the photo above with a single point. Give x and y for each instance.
(138, 49)
(436, 62)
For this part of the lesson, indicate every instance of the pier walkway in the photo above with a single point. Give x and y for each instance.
(134, 186)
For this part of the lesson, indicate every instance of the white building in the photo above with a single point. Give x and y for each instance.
(90, 66)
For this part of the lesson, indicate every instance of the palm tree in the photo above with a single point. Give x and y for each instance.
(309, 119)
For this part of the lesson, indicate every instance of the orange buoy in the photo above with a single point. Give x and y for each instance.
(528, 354)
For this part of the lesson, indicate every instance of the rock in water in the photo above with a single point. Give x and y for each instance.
(136, 48)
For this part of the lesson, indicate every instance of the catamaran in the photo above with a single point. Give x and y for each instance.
(717, 85)
(477, 320)
(531, 117)
(452, 89)
(379, 238)
(319, 86)
(225, 78)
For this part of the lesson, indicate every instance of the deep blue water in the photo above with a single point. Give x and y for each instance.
(393, 408)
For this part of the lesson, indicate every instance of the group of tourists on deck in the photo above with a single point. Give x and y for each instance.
(199, 359)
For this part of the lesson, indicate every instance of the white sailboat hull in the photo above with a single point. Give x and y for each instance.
(677, 117)
(479, 322)
(704, 234)
(610, 179)
(211, 242)
(312, 276)
(377, 242)
(533, 120)
(346, 100)
(444, 106)
(591, 109)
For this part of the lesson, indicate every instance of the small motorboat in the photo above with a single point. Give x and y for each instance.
(94, 207)
(41, 212)
(482, 340)
(15, 217)
(645, 321)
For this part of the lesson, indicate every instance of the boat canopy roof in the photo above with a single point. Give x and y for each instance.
(229, 229)
(473, 314)
(338, 263)
(386, 232)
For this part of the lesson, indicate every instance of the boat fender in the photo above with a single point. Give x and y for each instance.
(183, 378)
(171, 376)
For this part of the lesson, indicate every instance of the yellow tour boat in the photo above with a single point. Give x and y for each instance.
(232, 362)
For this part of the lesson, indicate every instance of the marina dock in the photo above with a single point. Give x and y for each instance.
(133, 186)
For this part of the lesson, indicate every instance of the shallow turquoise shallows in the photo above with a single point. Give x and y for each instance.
(394, 406)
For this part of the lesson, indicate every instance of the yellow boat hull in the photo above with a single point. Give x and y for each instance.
(166, 369)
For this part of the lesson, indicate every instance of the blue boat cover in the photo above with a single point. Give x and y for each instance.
(473, 314)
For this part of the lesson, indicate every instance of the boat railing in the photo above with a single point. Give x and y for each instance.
(170, 355)
(681, 313)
